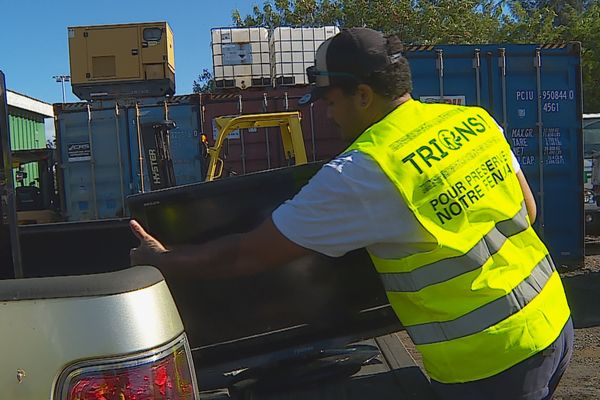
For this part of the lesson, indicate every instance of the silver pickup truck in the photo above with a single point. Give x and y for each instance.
(79, 324)
(106, 336)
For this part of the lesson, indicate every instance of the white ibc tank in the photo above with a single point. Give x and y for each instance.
(241, 57)
(293, 50)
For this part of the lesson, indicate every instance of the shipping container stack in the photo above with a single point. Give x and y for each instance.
(130, 134)
(534, 92)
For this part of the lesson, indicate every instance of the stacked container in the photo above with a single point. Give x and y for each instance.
(533, 92)
(241, 57)
(293, 50)
(252, 150)
(99, 151)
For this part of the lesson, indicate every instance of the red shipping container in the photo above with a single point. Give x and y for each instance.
(261, 149)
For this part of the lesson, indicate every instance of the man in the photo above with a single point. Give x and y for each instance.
(435, 195)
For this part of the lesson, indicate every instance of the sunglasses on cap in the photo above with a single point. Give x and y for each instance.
(312, 72)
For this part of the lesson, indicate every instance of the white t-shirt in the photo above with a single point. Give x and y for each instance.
(349, 204)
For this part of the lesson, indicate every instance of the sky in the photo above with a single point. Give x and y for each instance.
(35, 44)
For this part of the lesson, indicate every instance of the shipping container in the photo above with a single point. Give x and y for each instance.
(259, 149)
(122, 60)
(293, 50)
(241, 57)
(100, 145)
(534, 93)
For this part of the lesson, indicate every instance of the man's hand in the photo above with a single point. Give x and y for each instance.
(149, 251)
(229, 256)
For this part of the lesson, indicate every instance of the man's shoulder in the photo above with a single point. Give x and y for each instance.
(351, 162)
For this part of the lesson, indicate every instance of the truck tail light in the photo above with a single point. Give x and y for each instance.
(163, 373)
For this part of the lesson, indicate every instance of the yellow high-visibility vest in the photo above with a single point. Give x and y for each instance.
(488, 295)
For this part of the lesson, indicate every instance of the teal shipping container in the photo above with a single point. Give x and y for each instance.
(100, 145)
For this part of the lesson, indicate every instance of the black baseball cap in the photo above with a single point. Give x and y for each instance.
(351, 55)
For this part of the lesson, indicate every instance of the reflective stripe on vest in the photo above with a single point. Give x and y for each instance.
(449, 268)
(488, 315)
(505, 302)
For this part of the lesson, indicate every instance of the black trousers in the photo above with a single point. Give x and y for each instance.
(535, 378)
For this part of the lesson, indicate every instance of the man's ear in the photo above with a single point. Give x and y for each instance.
(364, 95)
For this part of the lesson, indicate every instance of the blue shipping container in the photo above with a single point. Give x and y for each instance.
(99, 153)
(534, 93)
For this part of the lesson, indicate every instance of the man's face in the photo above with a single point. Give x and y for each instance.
(346, 114)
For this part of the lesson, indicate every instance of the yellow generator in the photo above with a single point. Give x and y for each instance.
(125, 60)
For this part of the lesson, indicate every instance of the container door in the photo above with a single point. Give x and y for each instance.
(451, 75)
(184, 138)
(95, 163)
(113, 53)
(185, 143)
(543, 108)
(535, 96)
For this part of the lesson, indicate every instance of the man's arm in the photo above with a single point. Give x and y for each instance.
(528, 195)
(235, 255)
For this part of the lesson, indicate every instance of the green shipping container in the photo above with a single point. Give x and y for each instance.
(27, 131)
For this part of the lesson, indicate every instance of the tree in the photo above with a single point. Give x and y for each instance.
(415, 21)
(562, 8)
(585, 28)
(205, 83)
(291, 13)
(454, 21)
(523, 25)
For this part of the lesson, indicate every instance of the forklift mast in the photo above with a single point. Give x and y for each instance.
(156, 140)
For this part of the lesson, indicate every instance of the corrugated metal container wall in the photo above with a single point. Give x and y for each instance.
(27, 132)
(185, 141)
(99, 151)
(534, 93)
(94, 163)
(246, 151)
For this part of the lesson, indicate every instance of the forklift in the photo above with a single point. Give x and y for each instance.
(36, 202)
(287, 122)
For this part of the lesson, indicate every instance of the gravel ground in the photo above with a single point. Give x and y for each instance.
(582, 285)
(582, 379)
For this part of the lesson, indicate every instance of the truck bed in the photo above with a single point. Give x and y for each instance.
(395, 375)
